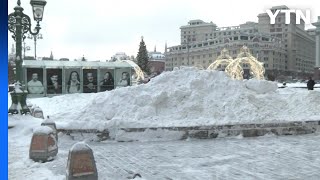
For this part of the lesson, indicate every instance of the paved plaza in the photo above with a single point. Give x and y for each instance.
(268, 157)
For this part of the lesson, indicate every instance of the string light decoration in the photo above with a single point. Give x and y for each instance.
(235, 71)
(223, 59)
(139, 73)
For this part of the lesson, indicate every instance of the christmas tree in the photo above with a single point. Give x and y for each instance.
(142, 57)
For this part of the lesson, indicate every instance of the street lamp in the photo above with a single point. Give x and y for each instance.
(19, 24)
(35, 37)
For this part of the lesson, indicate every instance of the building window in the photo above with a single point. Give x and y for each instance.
(182, 58)
(198, 56)
(204, 56)
(210, 55)
(204, 61)
(192, 57)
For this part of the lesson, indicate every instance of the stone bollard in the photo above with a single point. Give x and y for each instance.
(43, 145)
(37, 113)
(81, 164)
(48, 122)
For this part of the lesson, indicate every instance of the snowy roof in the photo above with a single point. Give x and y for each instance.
(42, 130)
(72, 64)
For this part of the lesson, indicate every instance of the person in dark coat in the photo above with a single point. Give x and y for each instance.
(310, 83)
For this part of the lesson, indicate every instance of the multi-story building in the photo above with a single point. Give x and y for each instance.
(264, 47)
(284, 49)
(298, 42)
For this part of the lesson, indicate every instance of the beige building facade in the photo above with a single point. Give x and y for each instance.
(286, 50)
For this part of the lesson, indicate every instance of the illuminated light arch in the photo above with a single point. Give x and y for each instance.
(235, 71)
(138, 71)
(223, 59)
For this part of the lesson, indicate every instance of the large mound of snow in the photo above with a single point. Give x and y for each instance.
(184, 97)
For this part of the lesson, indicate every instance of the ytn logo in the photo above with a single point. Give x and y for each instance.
(299, 15)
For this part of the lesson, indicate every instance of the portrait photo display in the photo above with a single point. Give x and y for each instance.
(106, 80)
(73, 81)
(123, 77)
(54, 81)
(90, 84)
(35, 81)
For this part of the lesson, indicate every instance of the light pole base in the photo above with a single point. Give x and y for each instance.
(19, 97)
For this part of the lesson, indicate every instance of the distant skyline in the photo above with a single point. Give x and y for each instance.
(98, 29)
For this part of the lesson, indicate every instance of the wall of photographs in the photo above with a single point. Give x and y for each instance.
(55, 81)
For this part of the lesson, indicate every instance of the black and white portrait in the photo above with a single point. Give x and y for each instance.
(34, 76)
(54, 81)
(73, 81)
(106, 82)
(90, 81)
(123, 77)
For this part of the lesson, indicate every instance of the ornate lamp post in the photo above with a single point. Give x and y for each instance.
(19, 24)
(35, 37)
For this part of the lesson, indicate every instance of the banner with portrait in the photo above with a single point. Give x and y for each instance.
(35, 81)
(73, 81)
(54, 81)
(106, 80)
(123, 77)
(90, 84)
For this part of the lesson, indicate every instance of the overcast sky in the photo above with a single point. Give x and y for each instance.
(98, 29)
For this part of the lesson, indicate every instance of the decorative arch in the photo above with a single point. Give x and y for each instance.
(223, 59)
(235, 70)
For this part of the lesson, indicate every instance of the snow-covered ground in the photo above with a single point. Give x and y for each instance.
(268, 157)
(185, 97)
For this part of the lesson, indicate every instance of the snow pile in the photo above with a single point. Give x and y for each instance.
(183, 97)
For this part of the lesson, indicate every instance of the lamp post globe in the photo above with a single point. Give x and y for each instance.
(20, 24)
